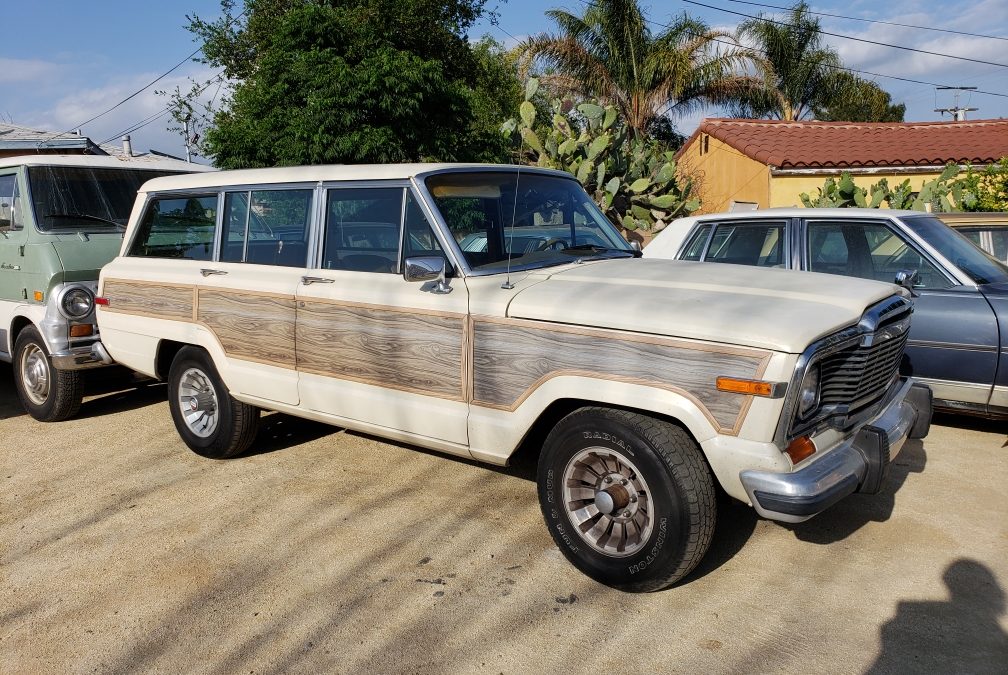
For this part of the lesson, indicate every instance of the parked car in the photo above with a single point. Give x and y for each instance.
(61, 219)
(642, 383)
(989, 231)
(959, 340)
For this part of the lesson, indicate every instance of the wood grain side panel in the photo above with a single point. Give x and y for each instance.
(164, 301)
(509, 362)
(422, 353)
(250, 326)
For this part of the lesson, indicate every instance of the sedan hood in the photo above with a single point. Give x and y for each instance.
(735, 304)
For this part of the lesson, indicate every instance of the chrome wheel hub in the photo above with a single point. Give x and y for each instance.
(198, 404)
(35, 374)
(608, 502)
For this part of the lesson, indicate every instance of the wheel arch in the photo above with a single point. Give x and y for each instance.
(167, 350)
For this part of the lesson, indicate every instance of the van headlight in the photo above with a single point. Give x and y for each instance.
(76, 302)
(808, 393)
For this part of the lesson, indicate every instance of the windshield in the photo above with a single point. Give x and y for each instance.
(79, 198)
(957, 249)
(511, 220)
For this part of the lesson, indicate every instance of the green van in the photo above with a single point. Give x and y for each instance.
(62, 217)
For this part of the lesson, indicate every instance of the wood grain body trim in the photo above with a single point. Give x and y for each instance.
(418, 352)
(150, 298)
(511, 359)
(251, 326)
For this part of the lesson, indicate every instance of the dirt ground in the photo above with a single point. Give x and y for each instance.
(325, 550)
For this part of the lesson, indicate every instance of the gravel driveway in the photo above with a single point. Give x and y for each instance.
(326, 550)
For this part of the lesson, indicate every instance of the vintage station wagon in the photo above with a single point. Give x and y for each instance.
(342, 294)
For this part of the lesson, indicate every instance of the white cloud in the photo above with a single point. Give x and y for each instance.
(13, 71)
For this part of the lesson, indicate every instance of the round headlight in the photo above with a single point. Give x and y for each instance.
(76, 303)
(808, 394)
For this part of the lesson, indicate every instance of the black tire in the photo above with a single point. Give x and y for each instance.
(666, 477)
(221, 427)
(47, 394)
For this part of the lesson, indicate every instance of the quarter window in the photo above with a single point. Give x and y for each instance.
(177, 227)
(266, 227)
(696, 244)
(867, 250)
(362, 229)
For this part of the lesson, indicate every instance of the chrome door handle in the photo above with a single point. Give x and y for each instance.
(308, 281)
(207, 272)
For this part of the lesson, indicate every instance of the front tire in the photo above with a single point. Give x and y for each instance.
(627, 498)
(209, 420)
(47, 394)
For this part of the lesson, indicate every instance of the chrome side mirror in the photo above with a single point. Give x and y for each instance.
(428, 268)
(907, 279)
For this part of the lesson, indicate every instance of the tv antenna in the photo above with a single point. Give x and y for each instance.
(958, 113)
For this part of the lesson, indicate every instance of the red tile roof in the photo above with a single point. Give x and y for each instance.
(798, 145)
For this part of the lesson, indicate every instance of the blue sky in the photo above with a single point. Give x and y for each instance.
(65, 61)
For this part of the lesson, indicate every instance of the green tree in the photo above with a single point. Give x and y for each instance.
(326, 81)
(802, 72)
(860, 100)
(612, 55)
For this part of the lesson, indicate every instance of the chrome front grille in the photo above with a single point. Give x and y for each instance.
(859, 376)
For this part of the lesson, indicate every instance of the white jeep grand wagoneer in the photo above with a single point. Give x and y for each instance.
(474, 309)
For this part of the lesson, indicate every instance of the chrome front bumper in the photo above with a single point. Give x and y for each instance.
(860, 464)
(80, 358)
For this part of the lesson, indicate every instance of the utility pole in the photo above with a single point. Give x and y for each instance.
(958, 113)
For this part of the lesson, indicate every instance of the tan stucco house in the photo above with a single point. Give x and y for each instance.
(768, 163)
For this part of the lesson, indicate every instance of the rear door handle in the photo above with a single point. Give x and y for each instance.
(308, 281)
(207, 272)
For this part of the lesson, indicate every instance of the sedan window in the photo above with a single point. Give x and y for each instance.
(759, 244)
(867, 250)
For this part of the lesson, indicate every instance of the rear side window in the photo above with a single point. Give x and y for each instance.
(266, 227)
(177, 227)
(758, 244)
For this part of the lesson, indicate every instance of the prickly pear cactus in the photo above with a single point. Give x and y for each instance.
(941, 194)
(633, 181)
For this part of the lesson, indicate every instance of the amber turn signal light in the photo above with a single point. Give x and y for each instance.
(38, 296)
(800, 448)
(751, 387)
(81, 330)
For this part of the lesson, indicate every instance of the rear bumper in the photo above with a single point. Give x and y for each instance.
(859, 464)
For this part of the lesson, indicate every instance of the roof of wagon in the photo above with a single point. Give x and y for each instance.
(323, 173)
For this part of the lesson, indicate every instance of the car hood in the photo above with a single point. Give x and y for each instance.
(774, 309)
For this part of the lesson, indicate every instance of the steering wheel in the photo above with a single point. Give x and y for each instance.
(552, 243)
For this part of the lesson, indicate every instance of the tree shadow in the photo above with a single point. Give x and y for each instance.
(857, 510)
(958, 635)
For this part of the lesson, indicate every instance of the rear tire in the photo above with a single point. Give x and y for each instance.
(628, 498)
(47, 394)
(210, 421)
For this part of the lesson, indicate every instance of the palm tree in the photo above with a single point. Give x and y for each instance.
(611, 54)
(804, 73)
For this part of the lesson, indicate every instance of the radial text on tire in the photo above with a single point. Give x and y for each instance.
(628, 498)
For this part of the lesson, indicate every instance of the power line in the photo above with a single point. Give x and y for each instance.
(886, 23)
(844, 68)
(148, 85)
(850, 37)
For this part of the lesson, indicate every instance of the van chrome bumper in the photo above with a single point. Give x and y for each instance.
(82, 358)
(860, 464)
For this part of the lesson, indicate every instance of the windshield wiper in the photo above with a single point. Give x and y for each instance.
(86, 216)
(593, 251)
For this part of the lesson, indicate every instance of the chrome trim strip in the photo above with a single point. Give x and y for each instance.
(927, 344)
